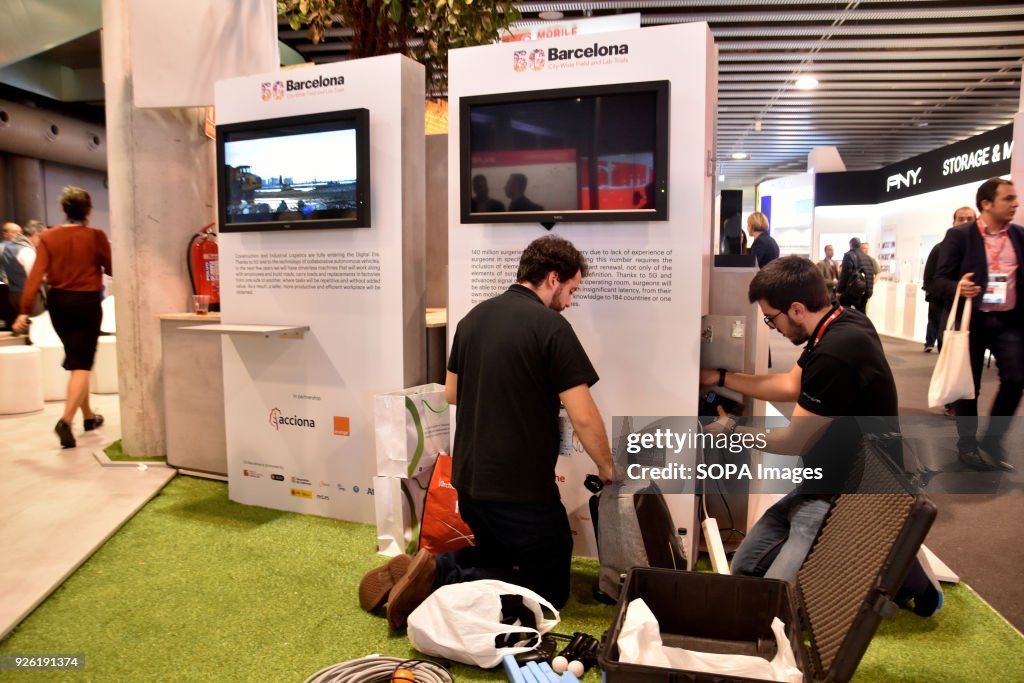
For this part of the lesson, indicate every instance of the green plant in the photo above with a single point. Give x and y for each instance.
(424, 30)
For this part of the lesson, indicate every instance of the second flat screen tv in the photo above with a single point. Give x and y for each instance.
(595, 153)
(300, 172)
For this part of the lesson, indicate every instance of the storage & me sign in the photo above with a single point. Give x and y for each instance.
(973, 160)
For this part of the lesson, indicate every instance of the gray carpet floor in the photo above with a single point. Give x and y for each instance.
(974, 533)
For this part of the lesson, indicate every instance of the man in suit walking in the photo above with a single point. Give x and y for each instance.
(830, 271)
(938, 309)
(982, 259)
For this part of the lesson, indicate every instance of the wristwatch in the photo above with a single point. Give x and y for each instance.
(721, 377)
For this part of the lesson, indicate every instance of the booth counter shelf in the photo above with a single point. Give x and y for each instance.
(283, 331)
(194, 382)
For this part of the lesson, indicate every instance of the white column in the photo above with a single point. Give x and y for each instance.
(161, 192)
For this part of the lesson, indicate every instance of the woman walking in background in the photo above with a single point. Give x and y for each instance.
(73, 258)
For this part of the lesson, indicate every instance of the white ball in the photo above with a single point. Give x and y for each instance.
(559, 664)
(576, 668)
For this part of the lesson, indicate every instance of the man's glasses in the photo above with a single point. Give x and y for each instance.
(769, 320)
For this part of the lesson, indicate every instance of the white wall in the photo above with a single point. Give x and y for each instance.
(181, 49)
(835, 225)
(362, 342)
(792, 208)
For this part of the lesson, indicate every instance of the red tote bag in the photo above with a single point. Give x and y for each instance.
(442, 529)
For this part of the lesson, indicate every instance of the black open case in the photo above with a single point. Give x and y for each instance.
(850, 578)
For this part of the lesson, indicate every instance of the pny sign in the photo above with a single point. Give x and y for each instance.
(900, 180)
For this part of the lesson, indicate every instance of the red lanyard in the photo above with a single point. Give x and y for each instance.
(828, 321)
(993, 256)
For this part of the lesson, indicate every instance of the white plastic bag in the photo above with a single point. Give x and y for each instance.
(463, 621)
(952, 378)
(398, 504)
(640, 643)
(411, 427)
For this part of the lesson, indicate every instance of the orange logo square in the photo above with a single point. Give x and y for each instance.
(341, 427)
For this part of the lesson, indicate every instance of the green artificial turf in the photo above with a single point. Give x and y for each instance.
(198, 588)
(114, 452)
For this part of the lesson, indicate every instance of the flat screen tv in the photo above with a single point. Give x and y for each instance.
(299, 172)
(595, 153)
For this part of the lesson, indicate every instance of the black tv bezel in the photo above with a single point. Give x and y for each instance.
(355, 119)
(662, 91)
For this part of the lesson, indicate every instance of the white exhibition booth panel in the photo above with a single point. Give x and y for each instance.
(299, 411)
(644, 341)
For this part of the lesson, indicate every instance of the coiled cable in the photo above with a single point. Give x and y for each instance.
(378, 669)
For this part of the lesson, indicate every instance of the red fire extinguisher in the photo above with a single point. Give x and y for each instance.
(203, 265)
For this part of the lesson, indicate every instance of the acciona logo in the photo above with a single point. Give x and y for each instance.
(278, 420)
(595, 50)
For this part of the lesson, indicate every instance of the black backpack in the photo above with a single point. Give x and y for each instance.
(856, 287)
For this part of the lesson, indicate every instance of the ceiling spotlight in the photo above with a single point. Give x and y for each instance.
(552, 15)
(921, 124)
(740, 156)
(721, 178)
(806, 83)
(757, 125)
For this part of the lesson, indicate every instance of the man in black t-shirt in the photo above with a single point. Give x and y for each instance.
(843, 389)
(842, 372)
(514, 360)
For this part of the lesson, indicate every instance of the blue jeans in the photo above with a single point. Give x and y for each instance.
(778, 544)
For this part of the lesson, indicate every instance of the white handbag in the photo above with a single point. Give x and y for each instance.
(952, 378)
(479, 622)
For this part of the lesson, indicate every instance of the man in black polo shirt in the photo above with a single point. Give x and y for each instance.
(843, 389)
(514, 360)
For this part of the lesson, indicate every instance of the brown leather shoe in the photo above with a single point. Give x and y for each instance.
(376, 584)
(412, 589)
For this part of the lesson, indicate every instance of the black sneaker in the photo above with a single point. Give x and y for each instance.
(972, 459)
(93, 423)
(63, 432)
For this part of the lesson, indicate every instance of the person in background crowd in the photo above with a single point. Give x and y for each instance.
(764, 247)
(982, 259)
(17, 254)
(7, 311)
(513, 360)
(875, 268)
(72, 257)
(33, 230)
(14, 233)
(938, 309)
(856, 278)
(829, 271)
